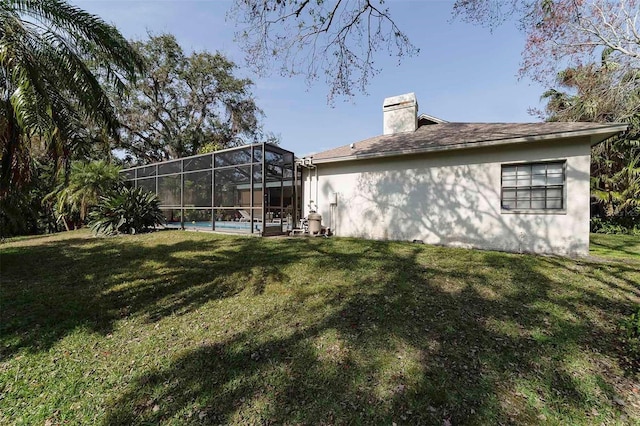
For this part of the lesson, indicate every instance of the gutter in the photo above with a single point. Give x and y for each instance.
(612, 130)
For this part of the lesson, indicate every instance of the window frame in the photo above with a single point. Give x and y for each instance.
(531, 187)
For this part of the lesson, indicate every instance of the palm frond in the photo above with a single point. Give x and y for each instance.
(51, 53)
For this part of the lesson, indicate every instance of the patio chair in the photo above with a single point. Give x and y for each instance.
(246, 217)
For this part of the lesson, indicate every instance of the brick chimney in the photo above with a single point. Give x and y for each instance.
(400, 114)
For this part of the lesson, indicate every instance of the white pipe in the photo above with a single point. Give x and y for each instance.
(317, 192)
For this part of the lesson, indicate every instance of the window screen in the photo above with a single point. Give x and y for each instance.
(533, 186)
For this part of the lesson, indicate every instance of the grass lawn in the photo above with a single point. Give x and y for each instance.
(190, 328)
(616, 246)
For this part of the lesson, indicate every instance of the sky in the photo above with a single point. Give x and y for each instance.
(463, 72)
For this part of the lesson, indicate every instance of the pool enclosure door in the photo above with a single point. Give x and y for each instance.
(248, 189)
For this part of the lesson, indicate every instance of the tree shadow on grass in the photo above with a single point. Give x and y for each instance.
(402, 333)
(602, 243)
(50, 289)
(484, 338)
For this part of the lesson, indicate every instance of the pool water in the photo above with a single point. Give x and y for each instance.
(222, 225)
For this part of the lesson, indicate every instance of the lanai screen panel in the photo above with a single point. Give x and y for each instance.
(249, 189)
(279, 194)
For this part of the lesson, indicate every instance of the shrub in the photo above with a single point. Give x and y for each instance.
(616, 225)
(128, 211)
(87, 183)
(630, 338)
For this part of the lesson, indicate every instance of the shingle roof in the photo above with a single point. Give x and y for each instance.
(446, 136)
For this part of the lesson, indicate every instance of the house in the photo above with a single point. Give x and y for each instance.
(521, 187)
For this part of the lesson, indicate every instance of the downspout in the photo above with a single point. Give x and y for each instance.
(307, 164)
(310, 192)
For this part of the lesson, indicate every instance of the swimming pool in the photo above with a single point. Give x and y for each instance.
(222, 225)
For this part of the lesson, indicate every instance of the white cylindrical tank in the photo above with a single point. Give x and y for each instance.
(315, 223)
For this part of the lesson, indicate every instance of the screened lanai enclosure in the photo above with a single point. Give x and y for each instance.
(248, 189)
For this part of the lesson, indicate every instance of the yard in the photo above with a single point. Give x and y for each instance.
(178, 327)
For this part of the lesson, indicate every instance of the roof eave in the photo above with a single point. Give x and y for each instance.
(597, 135)
(607, 133)
(432, 118)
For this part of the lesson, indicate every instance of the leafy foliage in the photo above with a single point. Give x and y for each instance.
(594, 93)
(184, 102)
(87, 182)
(616, 225)
(616, 177)
(48, 90)
(23, 211)
(128, 211)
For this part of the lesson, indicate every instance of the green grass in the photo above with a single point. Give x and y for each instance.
(190, 328)
(616, 246)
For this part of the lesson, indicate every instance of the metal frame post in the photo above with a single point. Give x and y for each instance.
(264, 188)
(251, 187)
(213, 193)
(181, 195)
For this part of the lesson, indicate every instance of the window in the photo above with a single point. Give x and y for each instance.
(533, 186)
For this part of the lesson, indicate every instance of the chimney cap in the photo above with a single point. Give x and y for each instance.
(400, 101)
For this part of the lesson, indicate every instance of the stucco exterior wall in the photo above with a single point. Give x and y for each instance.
(453, 198)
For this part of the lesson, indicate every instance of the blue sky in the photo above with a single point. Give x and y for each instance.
(463, 72)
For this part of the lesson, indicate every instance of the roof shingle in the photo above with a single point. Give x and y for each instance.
(445, 136)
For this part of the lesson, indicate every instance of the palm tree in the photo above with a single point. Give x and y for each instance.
(87, 182)
(604, 93)
(53, 57)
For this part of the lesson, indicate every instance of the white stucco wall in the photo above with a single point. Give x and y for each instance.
(453, 198)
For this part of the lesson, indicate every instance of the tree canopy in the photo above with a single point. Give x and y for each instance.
(185, 102)
(591, 93)
(49, 51)
(338, 40)
(564, 33)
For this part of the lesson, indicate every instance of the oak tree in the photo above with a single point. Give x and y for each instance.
(185, 102)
